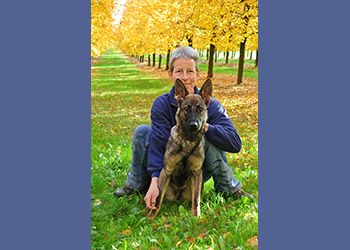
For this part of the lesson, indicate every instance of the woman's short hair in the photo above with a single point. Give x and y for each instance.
(184, 52)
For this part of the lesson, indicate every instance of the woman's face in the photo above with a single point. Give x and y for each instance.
(185, 70)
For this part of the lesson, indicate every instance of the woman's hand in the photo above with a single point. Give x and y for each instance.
(152, 194)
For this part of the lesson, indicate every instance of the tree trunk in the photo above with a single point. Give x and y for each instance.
(256, 59)
(160, 62)
(227, 55)
(241, 62)
(211, 61)
(154, 60)
(216, 55)
(167, 60)
(149, 60)
(207, 54)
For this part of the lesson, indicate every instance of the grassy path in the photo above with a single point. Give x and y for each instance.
(121, 98)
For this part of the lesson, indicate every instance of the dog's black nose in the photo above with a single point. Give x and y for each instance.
(193, 125)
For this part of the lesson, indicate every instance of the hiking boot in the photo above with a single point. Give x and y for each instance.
(241, 193)
(124, 191)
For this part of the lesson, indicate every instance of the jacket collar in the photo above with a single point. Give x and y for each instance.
(171, 96)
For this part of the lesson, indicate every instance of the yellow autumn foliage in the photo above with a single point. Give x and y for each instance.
(157, 26)
(103, 31)
(154, 26)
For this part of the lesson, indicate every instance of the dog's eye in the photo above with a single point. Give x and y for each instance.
(187, 108)
(200, 109)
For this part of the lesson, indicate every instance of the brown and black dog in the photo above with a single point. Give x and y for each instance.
(181, 176)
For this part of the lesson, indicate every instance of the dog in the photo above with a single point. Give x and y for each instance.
(181, 175)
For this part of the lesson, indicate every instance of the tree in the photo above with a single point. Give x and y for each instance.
(211, 60)
(158, 27)
(167, 60)
(241, 62)
(160, 62)
(248, 14)
(102, 26)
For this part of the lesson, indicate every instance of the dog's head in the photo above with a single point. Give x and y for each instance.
(193, 108)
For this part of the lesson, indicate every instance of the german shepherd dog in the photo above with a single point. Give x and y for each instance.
(181, 176)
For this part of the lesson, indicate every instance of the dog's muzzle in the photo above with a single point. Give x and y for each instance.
(194, 126)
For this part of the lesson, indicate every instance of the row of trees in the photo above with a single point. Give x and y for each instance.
(103, 25)
(159, 26)
(226, 55)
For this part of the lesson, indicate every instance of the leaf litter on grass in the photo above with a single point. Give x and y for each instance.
(119, 104)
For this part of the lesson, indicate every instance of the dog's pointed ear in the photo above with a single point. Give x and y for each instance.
(180, 91)
(206, 91)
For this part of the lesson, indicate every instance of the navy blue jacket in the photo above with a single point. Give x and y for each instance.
(221, 131)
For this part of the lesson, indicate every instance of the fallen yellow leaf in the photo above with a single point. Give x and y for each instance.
(177, 244)
(126, 232)
(202, 235)
(226, 234)
(252, 241)
(190, 239)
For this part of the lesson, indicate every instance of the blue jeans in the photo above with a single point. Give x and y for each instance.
(214, 165)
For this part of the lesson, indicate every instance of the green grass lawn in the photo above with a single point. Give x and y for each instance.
(121, 99)
(249, 73)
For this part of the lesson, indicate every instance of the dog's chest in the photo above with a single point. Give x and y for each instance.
(181, 176)
(188, 146)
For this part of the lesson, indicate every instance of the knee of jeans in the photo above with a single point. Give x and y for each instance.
(142, 132)
(208, 147)
(213, 152)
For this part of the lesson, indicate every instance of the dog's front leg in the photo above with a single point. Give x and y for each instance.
(163, 183)
(196, 188)
(172, 157)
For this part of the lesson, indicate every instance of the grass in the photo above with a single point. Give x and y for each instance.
(249, 73)
(121, 98)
